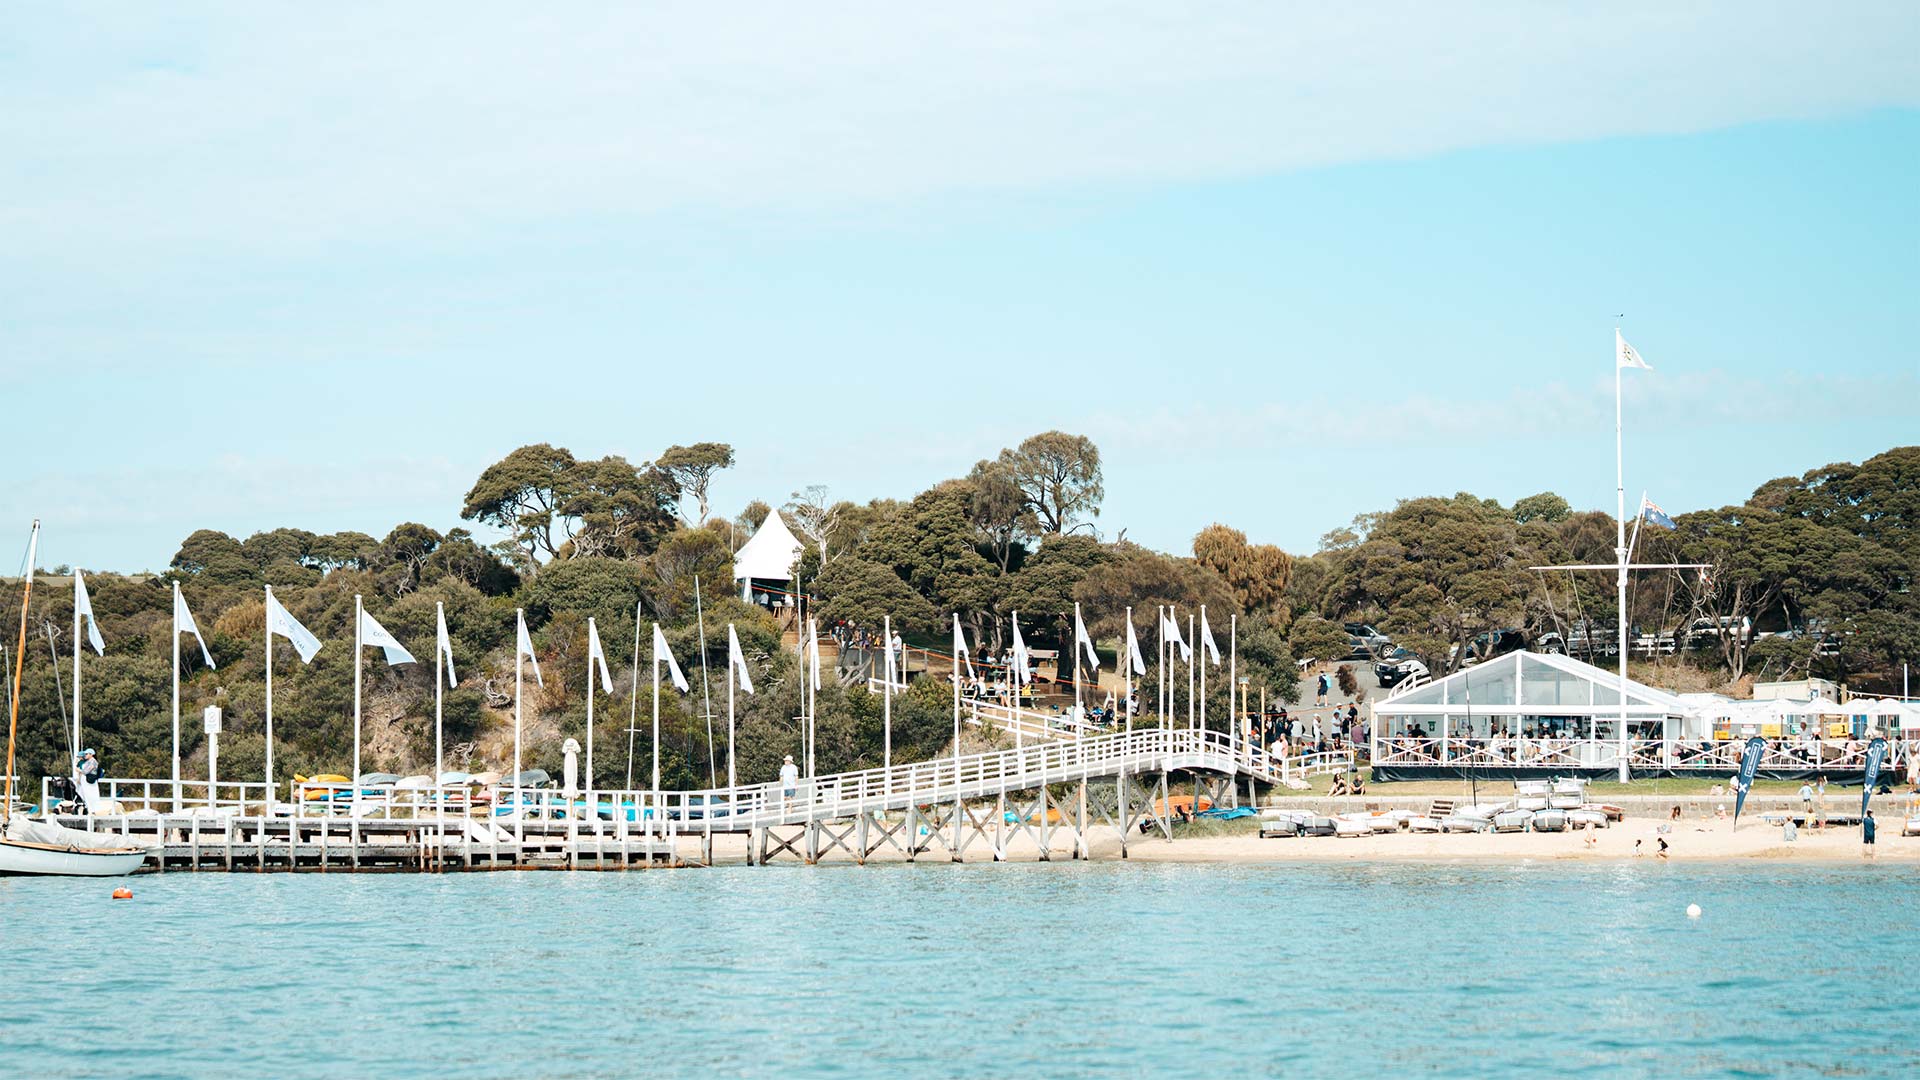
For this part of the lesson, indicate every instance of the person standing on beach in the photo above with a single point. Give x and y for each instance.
(1866, 834)
(1806, 799)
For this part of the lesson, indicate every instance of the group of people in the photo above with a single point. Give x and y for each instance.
(1285, 735)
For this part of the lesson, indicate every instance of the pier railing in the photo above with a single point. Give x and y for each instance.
(173, 796)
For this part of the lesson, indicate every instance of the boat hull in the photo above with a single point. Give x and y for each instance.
(44, 861)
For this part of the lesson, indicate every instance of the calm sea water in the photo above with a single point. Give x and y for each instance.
(974, 971)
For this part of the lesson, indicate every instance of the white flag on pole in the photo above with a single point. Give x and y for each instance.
(1206, 637)
(372, 634)
(662, 652)
(737, 660)
(1133, 651)
(446, 645)
(524, 642)
(83, 607)
(1083, 641)
(280, 621)
(1170, 631)
(597, 655)
(962, 659)
(1021, 674)
(183, 624)
(1628, 356)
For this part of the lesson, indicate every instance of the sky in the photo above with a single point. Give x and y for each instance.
(1284, 264)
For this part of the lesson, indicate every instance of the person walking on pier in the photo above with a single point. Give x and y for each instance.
(789, 779)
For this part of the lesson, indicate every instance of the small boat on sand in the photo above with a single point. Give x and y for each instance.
(1515, 820)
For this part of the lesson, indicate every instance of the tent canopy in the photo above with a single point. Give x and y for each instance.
(1525, 683)
(769, 554)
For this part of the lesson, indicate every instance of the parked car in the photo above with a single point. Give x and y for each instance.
(1372, 639)
(1593, 639)
(1393, 670)
(1705, 633)
(1489, 645)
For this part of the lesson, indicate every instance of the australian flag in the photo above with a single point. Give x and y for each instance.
(1653, 515)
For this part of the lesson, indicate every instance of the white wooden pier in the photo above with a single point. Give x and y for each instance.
(1063, 788)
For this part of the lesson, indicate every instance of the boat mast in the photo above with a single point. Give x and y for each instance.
(19, 662)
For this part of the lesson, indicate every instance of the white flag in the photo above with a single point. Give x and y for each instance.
(1170, 631)
(737, 661)
(1082, 640)
(1206, 637)
(662, 652)
(83, 608)
(1627, 355)
(373, 634)
(183, 623)
(280, 621)
(1021, 674)
(962, 660)
(1133, 651)
(813, 641)
(446, 643)
(525, 645)
(596, 654)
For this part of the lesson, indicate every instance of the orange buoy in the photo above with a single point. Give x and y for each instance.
(123, 893)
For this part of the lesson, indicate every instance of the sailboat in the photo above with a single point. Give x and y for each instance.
(43, 847)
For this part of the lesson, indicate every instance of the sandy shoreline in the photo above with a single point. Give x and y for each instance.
(1689, 841)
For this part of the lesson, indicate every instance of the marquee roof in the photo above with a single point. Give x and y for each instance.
(769, 554)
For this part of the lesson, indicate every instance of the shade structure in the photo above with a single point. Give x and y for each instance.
(769, 554)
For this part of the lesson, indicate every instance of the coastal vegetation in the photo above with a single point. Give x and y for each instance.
(1820, 566)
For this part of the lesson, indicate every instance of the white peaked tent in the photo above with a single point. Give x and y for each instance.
(768, 555)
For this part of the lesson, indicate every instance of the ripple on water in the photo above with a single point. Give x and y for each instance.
(978, 970)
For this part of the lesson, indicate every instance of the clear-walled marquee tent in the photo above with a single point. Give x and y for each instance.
(1507, 710)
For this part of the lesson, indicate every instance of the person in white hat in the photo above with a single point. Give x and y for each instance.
(789, 779)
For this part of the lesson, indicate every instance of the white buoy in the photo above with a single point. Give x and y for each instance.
(1693, 911)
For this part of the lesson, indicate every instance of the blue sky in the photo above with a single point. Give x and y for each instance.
(1284, 266)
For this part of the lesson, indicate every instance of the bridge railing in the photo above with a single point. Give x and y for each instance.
(173, 796)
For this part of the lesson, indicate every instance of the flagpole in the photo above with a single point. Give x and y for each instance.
(1014, 680)
(1200, 656)
(706, 695)
(1161, 690)
(519, 660)
(1126, 675)
(1079, 711)
(812, 692)
(1193, 655)
(1620, 545)
(439, 689)
(594, 634)
(633, 699)
(355, 801)
(731, 676)
(176, 700)
(656, 709)
(886, 709)
(1233, 681)
(77, 586)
